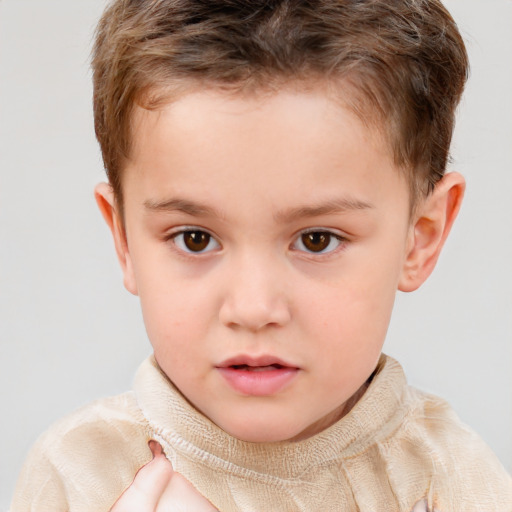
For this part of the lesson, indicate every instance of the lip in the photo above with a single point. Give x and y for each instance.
(263, 360)
(257, 376)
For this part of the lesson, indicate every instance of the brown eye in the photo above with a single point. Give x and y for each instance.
(316, 241)
(195, 241)
(319, 242)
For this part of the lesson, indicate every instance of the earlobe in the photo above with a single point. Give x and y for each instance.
(105, 199)
(429, 230)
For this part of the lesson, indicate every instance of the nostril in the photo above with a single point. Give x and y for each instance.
(254, 316)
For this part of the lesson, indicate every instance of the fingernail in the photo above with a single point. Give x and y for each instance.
(155, 447)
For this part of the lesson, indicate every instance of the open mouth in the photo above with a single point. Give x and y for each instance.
(263, 376)
(248, 368)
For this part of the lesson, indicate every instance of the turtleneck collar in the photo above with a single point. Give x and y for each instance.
(184, 429)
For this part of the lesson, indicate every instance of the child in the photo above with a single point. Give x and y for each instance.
(276, 173)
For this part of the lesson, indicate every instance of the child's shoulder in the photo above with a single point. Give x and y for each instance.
(419, 448)
(100, 446)
(104, 426)
(432, 419)
(462, 468)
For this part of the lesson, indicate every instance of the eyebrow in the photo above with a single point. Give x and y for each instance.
(329, 207)
(182, 205)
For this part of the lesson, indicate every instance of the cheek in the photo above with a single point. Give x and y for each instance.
(175, 335)
(176, 312)
(357, 328)
(352, 313)
(171, 319)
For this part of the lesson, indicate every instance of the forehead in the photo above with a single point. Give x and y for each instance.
(297, 107)
(271, 143)
(244, 97)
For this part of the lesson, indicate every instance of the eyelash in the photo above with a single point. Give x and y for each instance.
(339, 240)
(180, 246)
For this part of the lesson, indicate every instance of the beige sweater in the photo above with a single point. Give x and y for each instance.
(396, 447)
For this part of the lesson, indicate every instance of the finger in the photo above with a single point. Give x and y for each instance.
(421, 506)
(181, 496)
(154, 477)
(155, 447)
(148, 485)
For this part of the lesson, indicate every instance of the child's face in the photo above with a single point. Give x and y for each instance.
(266, 232)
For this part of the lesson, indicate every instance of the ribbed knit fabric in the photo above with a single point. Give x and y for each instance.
(395, 448)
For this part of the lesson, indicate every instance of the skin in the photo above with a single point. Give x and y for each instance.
(157, 487)
(254, 175)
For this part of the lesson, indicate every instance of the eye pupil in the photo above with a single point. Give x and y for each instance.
(316, 241)
(196, 240)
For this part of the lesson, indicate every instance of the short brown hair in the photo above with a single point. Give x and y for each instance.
(405, 60)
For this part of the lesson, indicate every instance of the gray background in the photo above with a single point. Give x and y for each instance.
(69, 333)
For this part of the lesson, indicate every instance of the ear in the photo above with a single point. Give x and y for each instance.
(105, 199)
(429, 229)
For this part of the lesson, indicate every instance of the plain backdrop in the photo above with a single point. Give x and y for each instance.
(70, 333)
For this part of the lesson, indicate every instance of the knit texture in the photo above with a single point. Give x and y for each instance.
(397, 449)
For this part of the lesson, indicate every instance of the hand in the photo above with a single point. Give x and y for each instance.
(422, 506)
(158, 488)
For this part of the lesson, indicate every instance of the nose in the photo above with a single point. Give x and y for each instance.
(255, 296)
